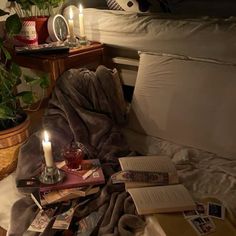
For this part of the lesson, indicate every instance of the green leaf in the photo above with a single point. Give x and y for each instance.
(27, 97)
(31, 80)
(6, 112)
(44, 82)
(6, 53)
(13, 25)
(3, 13)
(16, 70)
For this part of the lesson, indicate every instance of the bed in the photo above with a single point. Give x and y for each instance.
(195, 127)
(185, 71)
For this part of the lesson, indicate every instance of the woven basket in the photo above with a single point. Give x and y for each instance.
(10, 141)
(8, 160)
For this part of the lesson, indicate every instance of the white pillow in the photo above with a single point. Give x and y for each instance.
(187, 101)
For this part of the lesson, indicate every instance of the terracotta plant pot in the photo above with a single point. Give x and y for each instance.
(41, 28)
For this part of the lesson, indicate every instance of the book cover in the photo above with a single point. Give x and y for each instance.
(159, 224)
(75, 179)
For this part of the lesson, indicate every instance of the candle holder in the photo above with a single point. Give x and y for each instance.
(83, 40)
(72, 42)
(51, 175)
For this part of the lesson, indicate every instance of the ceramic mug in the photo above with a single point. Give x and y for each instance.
(28, 34)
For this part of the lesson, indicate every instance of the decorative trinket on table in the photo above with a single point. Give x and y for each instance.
(58, 28)
(28, 34)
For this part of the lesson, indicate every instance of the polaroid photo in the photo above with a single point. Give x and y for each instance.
(202, 225)
(63, 220)
(190, 214)
(201, 208)
(216, 210)
(42, 219)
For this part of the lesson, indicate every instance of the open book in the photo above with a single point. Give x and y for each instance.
(168, 196)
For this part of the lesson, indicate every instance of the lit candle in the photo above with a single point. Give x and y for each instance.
(47, 148)
(71, 23)
(81, 21)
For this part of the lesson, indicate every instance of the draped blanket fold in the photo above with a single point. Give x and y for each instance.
(84, 107)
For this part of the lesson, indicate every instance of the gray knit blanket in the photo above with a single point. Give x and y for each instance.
(85, 108)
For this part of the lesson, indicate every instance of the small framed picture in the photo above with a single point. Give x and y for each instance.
(202, 225)
(216, 210)
(189, 214)
(200, 208)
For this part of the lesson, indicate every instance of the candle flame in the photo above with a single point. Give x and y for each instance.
(46, 136)
(80, 8)
(71, 13)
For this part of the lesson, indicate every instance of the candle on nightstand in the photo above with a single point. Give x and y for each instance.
(71, 24)
(47, 149)
(81, 21)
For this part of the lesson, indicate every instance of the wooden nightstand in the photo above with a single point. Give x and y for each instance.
(55, 64)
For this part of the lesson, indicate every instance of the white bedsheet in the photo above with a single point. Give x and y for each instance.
(8, 196)
(206, 38)
(203, 173)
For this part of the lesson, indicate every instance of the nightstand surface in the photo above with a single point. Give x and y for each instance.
(56, 64)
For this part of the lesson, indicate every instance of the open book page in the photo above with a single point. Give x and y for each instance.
(161, 199)
(149, 163)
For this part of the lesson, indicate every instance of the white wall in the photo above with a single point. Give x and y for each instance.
(3, 4)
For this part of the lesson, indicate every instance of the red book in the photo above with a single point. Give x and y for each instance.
(90, 174)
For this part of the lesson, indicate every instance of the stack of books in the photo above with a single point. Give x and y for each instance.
(77, 184)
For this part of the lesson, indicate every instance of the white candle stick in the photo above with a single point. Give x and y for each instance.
(81, 21)
(71, 24)
(47, 149)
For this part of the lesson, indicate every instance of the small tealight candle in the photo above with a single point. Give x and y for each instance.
(47, 149)
(81, 21)
(71, 24)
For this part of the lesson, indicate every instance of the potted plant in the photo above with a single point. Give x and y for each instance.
(13, 118)
(38, 11)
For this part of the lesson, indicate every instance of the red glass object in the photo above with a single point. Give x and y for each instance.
(73, 157)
